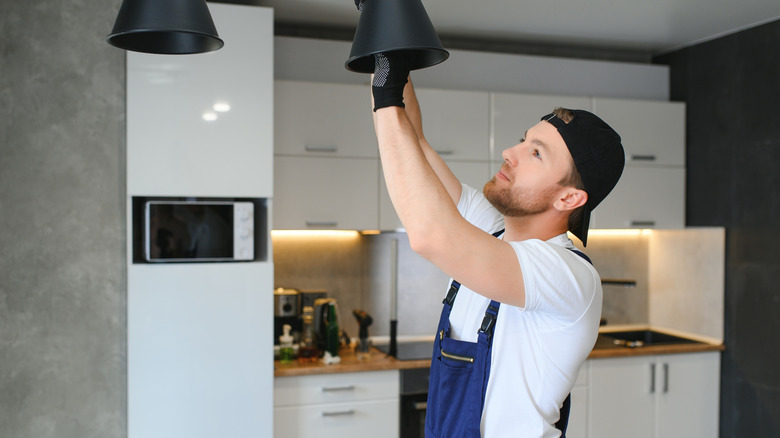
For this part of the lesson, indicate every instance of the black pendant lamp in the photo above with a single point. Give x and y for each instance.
(171, 27)
(395, 26)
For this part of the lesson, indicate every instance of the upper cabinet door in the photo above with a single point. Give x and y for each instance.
(644, 198)
(202, 125)
(513, 114)
(326, 193)
(323, 119)
(652, 132)
(456, 123)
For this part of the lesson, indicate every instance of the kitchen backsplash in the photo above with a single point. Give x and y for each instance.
(355, 269)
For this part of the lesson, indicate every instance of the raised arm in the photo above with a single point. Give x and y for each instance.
(435, 228)
(443, 172)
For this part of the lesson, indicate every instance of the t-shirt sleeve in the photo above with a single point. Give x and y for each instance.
(557, 281)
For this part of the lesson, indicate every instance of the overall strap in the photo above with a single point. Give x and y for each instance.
(582, 254)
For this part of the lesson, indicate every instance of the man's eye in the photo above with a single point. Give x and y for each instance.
(537, 154)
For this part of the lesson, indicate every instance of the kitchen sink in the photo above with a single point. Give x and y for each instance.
(640, 338)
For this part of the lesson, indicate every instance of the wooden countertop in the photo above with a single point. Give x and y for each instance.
(378, 361)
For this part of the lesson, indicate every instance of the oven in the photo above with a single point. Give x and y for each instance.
(414, 397)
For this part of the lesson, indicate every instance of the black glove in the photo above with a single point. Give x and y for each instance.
(391, 71)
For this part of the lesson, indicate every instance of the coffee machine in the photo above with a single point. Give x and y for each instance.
(287, 310)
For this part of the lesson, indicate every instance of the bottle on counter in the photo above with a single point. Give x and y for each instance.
(286, 345)
(332, 338)
(308, 351)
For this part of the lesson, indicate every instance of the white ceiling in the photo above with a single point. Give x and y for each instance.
(650, 26)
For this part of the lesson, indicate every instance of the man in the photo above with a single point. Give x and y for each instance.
(524, 312)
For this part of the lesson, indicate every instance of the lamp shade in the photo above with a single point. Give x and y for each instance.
(165, 27)
(395, 26)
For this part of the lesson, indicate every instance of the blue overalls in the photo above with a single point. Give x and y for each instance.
(459, 376)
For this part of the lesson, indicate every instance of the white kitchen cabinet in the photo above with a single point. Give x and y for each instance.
(578, 415)
(199, 344)
(323, 119)
(644, 198)
(326, 193)
(199, 349)
(475, 174)
(652, 132)
(456, 123)
(337, 405)
(655, 396)
(514, 113)
(201, 125)
(651, 192)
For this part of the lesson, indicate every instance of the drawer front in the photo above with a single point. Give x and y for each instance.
(335, 388)
(338, 420)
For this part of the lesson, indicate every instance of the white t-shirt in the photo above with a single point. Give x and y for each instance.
(537, 350)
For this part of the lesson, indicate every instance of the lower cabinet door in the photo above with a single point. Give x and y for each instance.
(338, 420)
(688, 395)
(622, 397)
(578, 416)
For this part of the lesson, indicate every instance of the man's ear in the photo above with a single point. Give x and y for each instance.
(570, 199)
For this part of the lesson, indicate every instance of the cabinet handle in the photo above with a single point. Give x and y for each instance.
(666, 378)
(310, 148)
(642, 223)
(444, 152)
(420, 406)
(321, 223)
(338, 413)
(338, 388)
(652, 378)
(642, 157)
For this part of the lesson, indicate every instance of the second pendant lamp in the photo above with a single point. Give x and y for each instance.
(397, 26)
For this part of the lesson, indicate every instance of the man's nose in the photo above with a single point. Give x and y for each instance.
(508, 155)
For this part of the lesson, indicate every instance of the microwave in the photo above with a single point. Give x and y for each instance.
(198, 231)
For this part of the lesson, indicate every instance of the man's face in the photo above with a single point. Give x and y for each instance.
(527, 183)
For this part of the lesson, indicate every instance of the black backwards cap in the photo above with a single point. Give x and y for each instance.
(598, 156)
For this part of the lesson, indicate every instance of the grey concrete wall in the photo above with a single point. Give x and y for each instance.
(62, 221)
(731, 87)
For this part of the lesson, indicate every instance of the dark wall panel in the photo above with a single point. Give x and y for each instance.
(732, 89)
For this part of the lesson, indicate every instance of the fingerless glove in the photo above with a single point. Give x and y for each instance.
(390, 74)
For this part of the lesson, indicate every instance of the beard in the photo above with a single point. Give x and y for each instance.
(518, 201)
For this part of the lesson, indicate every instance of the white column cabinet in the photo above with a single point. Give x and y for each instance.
(201, 125)
(199, 344)
(655, 396)
(337, 405)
